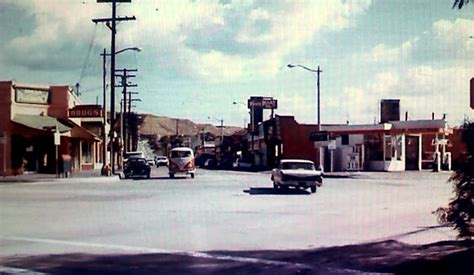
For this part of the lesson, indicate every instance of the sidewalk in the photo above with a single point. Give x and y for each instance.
(90, 175)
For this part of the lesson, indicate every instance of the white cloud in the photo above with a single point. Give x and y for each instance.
(424, 89)
(384, 54)
(277, 28)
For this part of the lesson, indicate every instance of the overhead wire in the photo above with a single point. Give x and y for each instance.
(86, 60)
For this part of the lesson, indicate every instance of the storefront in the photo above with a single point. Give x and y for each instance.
(31, 115)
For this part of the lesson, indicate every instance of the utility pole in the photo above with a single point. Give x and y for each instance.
(124, 122)
(104, 108)
(112, 24)
(318, 72)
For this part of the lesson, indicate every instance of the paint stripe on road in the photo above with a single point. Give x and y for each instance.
(5, 270)
(148, 250)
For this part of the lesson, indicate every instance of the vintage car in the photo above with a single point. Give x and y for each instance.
(297, 173)
(161, 161)
(181, 161)
(137, 167)
(133, 154)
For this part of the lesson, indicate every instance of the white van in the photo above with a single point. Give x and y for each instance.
(181, 161)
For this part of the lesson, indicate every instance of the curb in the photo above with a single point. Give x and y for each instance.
(99, 179)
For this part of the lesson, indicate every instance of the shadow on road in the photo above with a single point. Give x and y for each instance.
(448, 257)
(273, 191)
(160, 178)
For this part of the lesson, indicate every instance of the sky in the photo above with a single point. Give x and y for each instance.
(198, 57)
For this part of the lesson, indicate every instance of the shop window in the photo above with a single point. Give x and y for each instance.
(373, 147)
(86, 152)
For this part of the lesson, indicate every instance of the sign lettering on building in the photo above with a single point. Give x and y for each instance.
(31, 96)
(262, 102)
(86, 111)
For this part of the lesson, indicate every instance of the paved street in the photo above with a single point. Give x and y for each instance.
(218, 211)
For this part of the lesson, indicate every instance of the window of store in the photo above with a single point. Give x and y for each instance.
(345, 139)
(87, 152)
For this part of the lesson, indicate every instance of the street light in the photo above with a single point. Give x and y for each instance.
(318, 72)
(112, 108)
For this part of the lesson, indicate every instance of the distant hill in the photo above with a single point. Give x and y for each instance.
(166, 126)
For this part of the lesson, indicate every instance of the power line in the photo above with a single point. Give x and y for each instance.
(86, 60)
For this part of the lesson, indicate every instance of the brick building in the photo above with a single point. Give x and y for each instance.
(31, 114)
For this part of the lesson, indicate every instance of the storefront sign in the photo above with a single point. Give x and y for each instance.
(31, 96)
(86, 111)
(262, 102)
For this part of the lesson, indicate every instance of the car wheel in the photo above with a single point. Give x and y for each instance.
(313, 189)
(192, 175)
(172, 176)
(148, 175)
(127, 176)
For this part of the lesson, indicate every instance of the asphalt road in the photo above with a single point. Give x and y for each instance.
(217, 211)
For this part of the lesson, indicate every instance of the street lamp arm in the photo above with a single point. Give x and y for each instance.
(308, 69)
(301, 66)
(136, 49)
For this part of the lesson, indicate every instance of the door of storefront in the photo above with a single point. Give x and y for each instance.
(412, 153)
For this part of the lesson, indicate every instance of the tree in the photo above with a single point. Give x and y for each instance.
(459, 3)
(460, 211)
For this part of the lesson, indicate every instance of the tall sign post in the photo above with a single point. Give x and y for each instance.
(57, 142)
(257, 104)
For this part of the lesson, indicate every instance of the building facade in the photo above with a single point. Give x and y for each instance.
(391, 146)
(43, 127)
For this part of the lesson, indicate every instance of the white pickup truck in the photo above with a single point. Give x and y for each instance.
(297, 173)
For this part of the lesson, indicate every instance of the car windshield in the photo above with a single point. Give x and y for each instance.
(133, 155)
(137, 160)
(180, 154)
(161, 158)
(297, 166)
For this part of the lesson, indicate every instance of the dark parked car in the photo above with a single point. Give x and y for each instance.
(137, 167)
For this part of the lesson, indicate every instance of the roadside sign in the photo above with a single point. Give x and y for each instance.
(262, 102)
(332, 145)
(57, 138)
(319, 136)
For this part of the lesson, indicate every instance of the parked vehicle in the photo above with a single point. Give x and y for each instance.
(137, 167)
(150, 161)
(181, 161)
(297, 173)
(161, 161)
(133, 154)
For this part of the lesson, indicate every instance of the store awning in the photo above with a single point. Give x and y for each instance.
(44, 123)
(82, 133)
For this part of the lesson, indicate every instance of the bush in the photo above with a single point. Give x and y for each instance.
(460, 211)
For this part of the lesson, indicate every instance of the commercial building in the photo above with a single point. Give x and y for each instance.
(391, 145)
(42, 126)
